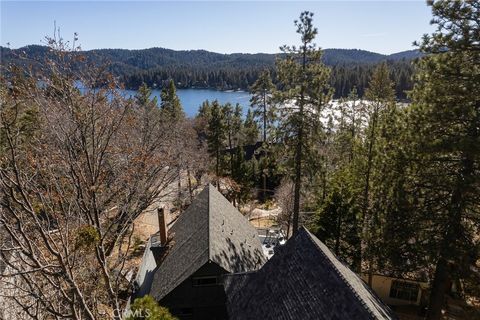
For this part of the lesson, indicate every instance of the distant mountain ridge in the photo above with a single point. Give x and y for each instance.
(205, 69)
(145, 59)
(336, 56)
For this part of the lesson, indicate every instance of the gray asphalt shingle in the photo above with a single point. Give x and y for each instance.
(303, 280)
(211, 229)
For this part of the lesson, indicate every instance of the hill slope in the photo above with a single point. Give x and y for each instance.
(200, 68)
(145, 59)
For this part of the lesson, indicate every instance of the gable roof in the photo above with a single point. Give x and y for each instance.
(303, 280)
(211, 229)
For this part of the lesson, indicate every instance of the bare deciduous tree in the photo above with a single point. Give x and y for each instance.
(192, 158)
(284, 198)
(77, 167)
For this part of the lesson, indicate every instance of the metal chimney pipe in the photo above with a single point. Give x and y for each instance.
(162, 226)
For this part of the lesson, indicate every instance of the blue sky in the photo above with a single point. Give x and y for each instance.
(226, 27)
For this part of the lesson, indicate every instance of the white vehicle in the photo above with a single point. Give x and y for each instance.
(270, 239)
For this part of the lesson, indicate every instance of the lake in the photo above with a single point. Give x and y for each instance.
(191, 99)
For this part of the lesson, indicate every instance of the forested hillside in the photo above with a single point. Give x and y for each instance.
(204, 69)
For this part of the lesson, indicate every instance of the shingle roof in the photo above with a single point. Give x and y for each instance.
(304, 280)
(146, 271)
(211, 229)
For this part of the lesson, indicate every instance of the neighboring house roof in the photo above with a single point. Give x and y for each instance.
(211, 229)
(303, 280)
(249, 150)
(146, 271)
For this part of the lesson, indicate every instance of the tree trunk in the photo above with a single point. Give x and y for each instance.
(337, 236)
(264, 176)
(264, 117)
(179, 185)
(288, 225)
(438, 290)
(357, 255)
(353, 133)
(366, 193)
(217, 169)
(449, 250)
(298, 181)
(324, 186)
(298, 150)
(230, 146)
(370, 272)
(264, 185)
(190, 190)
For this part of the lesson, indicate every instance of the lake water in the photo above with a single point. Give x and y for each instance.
(191, 99)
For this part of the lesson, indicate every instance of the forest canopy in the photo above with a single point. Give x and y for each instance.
(204, 69)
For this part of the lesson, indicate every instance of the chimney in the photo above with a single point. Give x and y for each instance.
(162, 225)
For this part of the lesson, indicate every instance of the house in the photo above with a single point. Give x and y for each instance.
(399, 291)
(303, 280)
(182, 267)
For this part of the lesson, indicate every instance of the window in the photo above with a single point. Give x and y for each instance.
(205, 281)
(404, 290)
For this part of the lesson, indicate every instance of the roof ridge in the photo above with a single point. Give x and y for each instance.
(310, 235)
(241, 273)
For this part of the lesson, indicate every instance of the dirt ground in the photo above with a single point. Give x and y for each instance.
(262, 222)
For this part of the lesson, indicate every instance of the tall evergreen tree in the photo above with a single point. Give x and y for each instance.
(250, 129)
(237, 126)
(351, 117)
(216, 135)
(242, 175)
(143, 96)
(337, 223)
(201, 121)
(380, 95)
(338, 203)
(172, 111)
(233, 128)
(170, 104)
(262, 101)
(396, 223)
(305, 91)
(447, 123)
(264, 110)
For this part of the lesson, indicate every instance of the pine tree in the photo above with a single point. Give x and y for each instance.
(242, 175)
(216, 135)
(250, 129)
(201, 120)
(143, 96)
(305, 91)
(447, 125)
(336, 223)
(262, 102)
(227, 111)
(339, 195)
(233, 127)
(396, 219)
(170, 104)
(380, 95)
(172, 111)
(237, 126)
